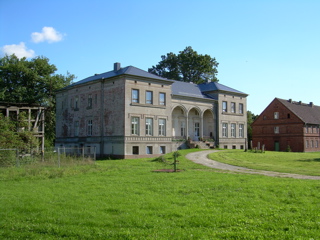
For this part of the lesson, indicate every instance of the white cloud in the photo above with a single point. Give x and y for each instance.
(48, 34)
(19, 50)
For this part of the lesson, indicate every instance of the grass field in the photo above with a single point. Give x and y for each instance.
(125, 199)
(287, 162)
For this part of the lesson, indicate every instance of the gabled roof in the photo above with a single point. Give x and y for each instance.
(308, 113)
(214, 86)
(130, 70)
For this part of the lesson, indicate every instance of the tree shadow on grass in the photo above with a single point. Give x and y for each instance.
(310, 160)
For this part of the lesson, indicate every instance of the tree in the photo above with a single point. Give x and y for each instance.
(35, 82)
(187, 66)
(250, 119)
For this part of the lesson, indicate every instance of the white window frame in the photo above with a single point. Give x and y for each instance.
(183, 129)
(224, 129)
(149, 150)
(135, 125)
(241, 130)
(149, 126)
(276, 115)
(162, 127)
(233, 130)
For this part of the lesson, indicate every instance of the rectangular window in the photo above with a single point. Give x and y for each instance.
(241, 130)
(233, 107)
(76, 128)
(276, 129)
(317, 144)
(135, 96)
(307, 143)
(89, 131)
(89, 101)
(149, 126)
(233, 130)
(96, 99)
(71, 103)
(76, 102)
(162, 99)
(183, 129)
(149, 149)
(276, 115)
(135, 126)
(224, 130)
(240, 108)
(224, 106)
(311, 143)
(162, 149)
(149, 97)
(135, 150)
(162, 127)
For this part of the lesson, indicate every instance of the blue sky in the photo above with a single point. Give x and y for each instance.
(266, 49)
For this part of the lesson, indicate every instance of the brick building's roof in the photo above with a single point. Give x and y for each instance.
(178, 88)
(130, 70)
(308, 113)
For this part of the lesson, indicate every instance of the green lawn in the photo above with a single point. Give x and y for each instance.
(125, 199)
(287, 162)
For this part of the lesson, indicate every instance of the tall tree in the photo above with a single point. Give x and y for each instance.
(250, 119)
(187, 66)
(32, 81)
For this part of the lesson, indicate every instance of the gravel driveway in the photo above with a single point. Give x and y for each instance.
(201, 158)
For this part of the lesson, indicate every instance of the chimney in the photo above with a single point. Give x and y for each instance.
(290, 100)
(300, 102)
(311, 104)
(116, 66)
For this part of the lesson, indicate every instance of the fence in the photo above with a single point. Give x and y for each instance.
(60, 156)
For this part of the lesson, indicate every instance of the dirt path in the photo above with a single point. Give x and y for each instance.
(201, 158)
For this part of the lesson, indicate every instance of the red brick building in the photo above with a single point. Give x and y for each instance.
(287, 124)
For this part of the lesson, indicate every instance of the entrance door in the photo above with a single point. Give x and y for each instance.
(276, 146)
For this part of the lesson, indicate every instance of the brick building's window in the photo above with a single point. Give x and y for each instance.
(89, 101)
(276, 129)
(307, 143)
(149, 149)
(276, 115)
(162, 99)
(240, 108)
(89, 131)
(162, 127)
(241, 130)
(224, 130)
(135, 150)
(317, 144)
(149, 126)
(224, 106)
(149, 97)
(76, 128)
(233, 130)
(162, 149)
(135, 126)
(233, 107)
(135, 96)
(76, 103)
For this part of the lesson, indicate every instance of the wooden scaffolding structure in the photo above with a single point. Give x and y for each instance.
(35, 118)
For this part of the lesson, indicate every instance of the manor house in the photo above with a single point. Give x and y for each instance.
(131, 113)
